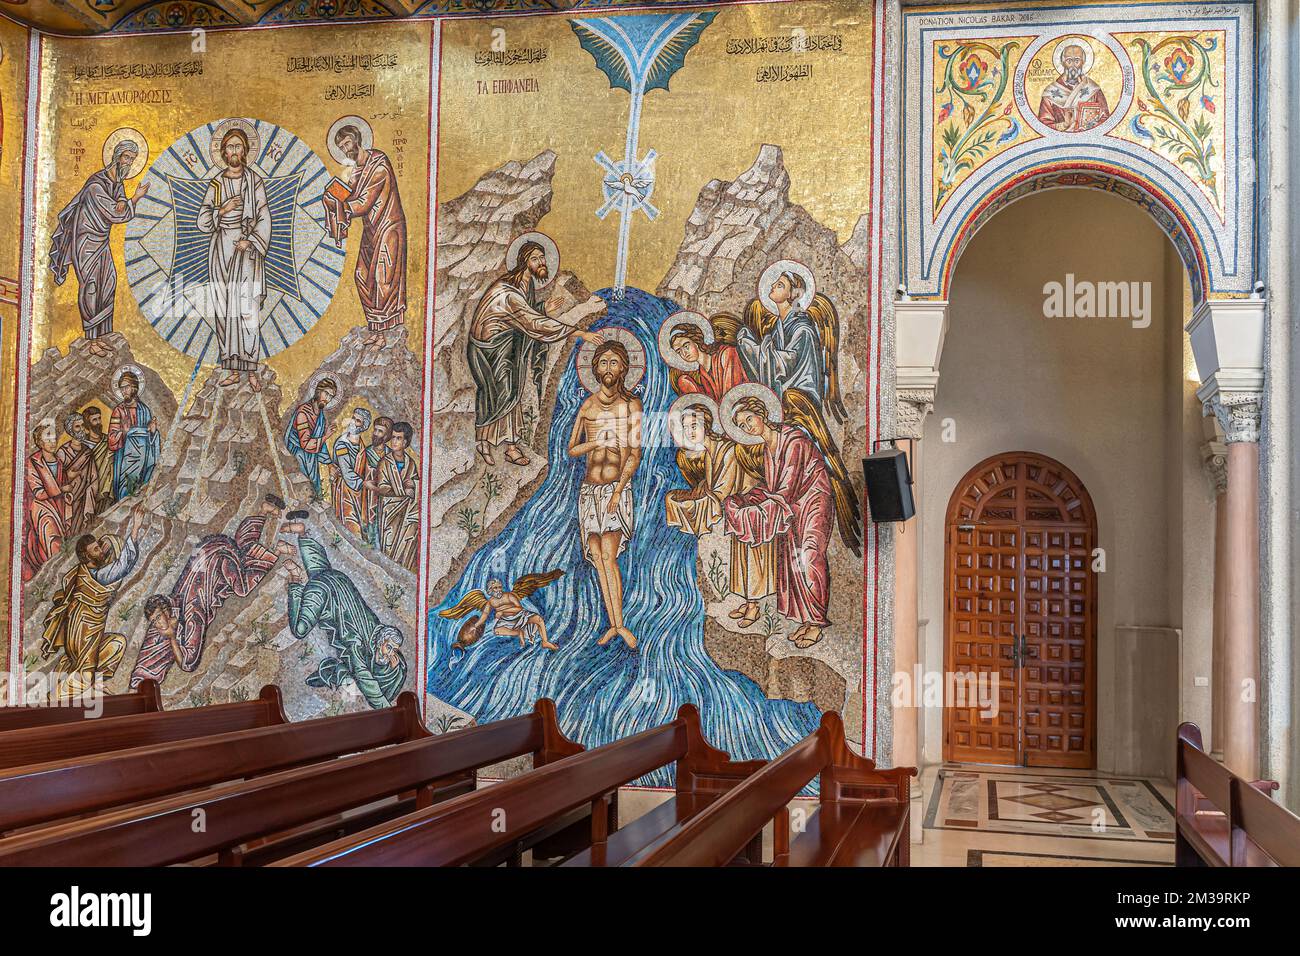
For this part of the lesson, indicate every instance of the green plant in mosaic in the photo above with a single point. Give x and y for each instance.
(468, 521)
(975, 77)
(717, 574)
(491, 488)
(1178, 79)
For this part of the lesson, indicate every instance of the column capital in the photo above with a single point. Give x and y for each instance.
(1239, 412)
(1215, 456)
(1227, 338)
(914, 404)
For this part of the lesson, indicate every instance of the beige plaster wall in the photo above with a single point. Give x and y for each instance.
(1109, 401)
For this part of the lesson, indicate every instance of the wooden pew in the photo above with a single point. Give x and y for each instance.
(463, 829)
(64, 741)
(1225, 820)
(288, 804)
(145, 700)
(862, 818)
(42, 793)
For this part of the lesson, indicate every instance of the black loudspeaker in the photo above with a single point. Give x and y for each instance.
(889, 485)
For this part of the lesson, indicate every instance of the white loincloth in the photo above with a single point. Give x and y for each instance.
(593, 519)
(520, 622)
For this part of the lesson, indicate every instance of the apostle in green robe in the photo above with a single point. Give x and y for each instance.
(365, 650)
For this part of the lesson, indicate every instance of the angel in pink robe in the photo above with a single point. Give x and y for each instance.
(717, 365)
(795, 507)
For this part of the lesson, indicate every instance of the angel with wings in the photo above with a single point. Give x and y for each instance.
(789, 337)
(512, 618)
(793, 507)
(788, 342)
(701, 353)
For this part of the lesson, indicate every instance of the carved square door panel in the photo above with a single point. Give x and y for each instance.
(1021, 616)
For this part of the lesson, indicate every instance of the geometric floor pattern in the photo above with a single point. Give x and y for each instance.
(965, 815)
(1070, 803)
(1011, 816)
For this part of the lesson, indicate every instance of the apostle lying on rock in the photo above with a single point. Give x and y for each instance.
(220, 567)
(366, 650)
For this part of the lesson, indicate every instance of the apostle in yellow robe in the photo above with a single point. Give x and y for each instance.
(76, 636)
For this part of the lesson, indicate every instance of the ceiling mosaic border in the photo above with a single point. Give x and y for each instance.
(73, 17)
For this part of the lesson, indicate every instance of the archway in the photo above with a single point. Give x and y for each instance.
(1166, 214)
(1113, 397)
(1021, 614)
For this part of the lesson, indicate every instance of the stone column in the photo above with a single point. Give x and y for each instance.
(1227, 338)
(913, 406)
(1239, 415)
(1216, 466)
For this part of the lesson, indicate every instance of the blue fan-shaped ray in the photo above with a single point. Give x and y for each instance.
(281, 197)
(641, 52)
(191, 249)
(604, 693)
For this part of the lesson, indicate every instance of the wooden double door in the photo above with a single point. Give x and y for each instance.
(1021, 618)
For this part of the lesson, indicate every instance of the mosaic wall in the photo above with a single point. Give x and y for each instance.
(223, 439)
(489, 358)
(13, 89)
(1008, 101)
(500, 358)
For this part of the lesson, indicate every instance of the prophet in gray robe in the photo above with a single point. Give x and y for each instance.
(81, 240)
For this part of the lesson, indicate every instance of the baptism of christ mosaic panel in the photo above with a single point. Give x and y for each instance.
(222, 439)
(651, 344)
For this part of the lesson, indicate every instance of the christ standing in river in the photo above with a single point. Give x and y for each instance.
(608, 432)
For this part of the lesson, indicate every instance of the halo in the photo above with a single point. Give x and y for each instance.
(367, 137)
(315, 380)
(727, 411)
(635, 359)
(117, 380)
(684, 317)
(127, 133)
(224, 127)
(1089, 54)
(775, 269)
(547, 244)
(680, 406)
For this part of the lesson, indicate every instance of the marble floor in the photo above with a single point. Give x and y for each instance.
(970, 815)
(1011, 816)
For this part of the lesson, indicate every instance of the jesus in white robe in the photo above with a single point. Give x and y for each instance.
(236, 215)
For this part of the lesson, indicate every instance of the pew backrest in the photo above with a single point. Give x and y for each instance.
(46, 792)
(146, 699)
(161, 832)
(63, 741)
(848, 783)
(467, 827)
(1243, 826)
